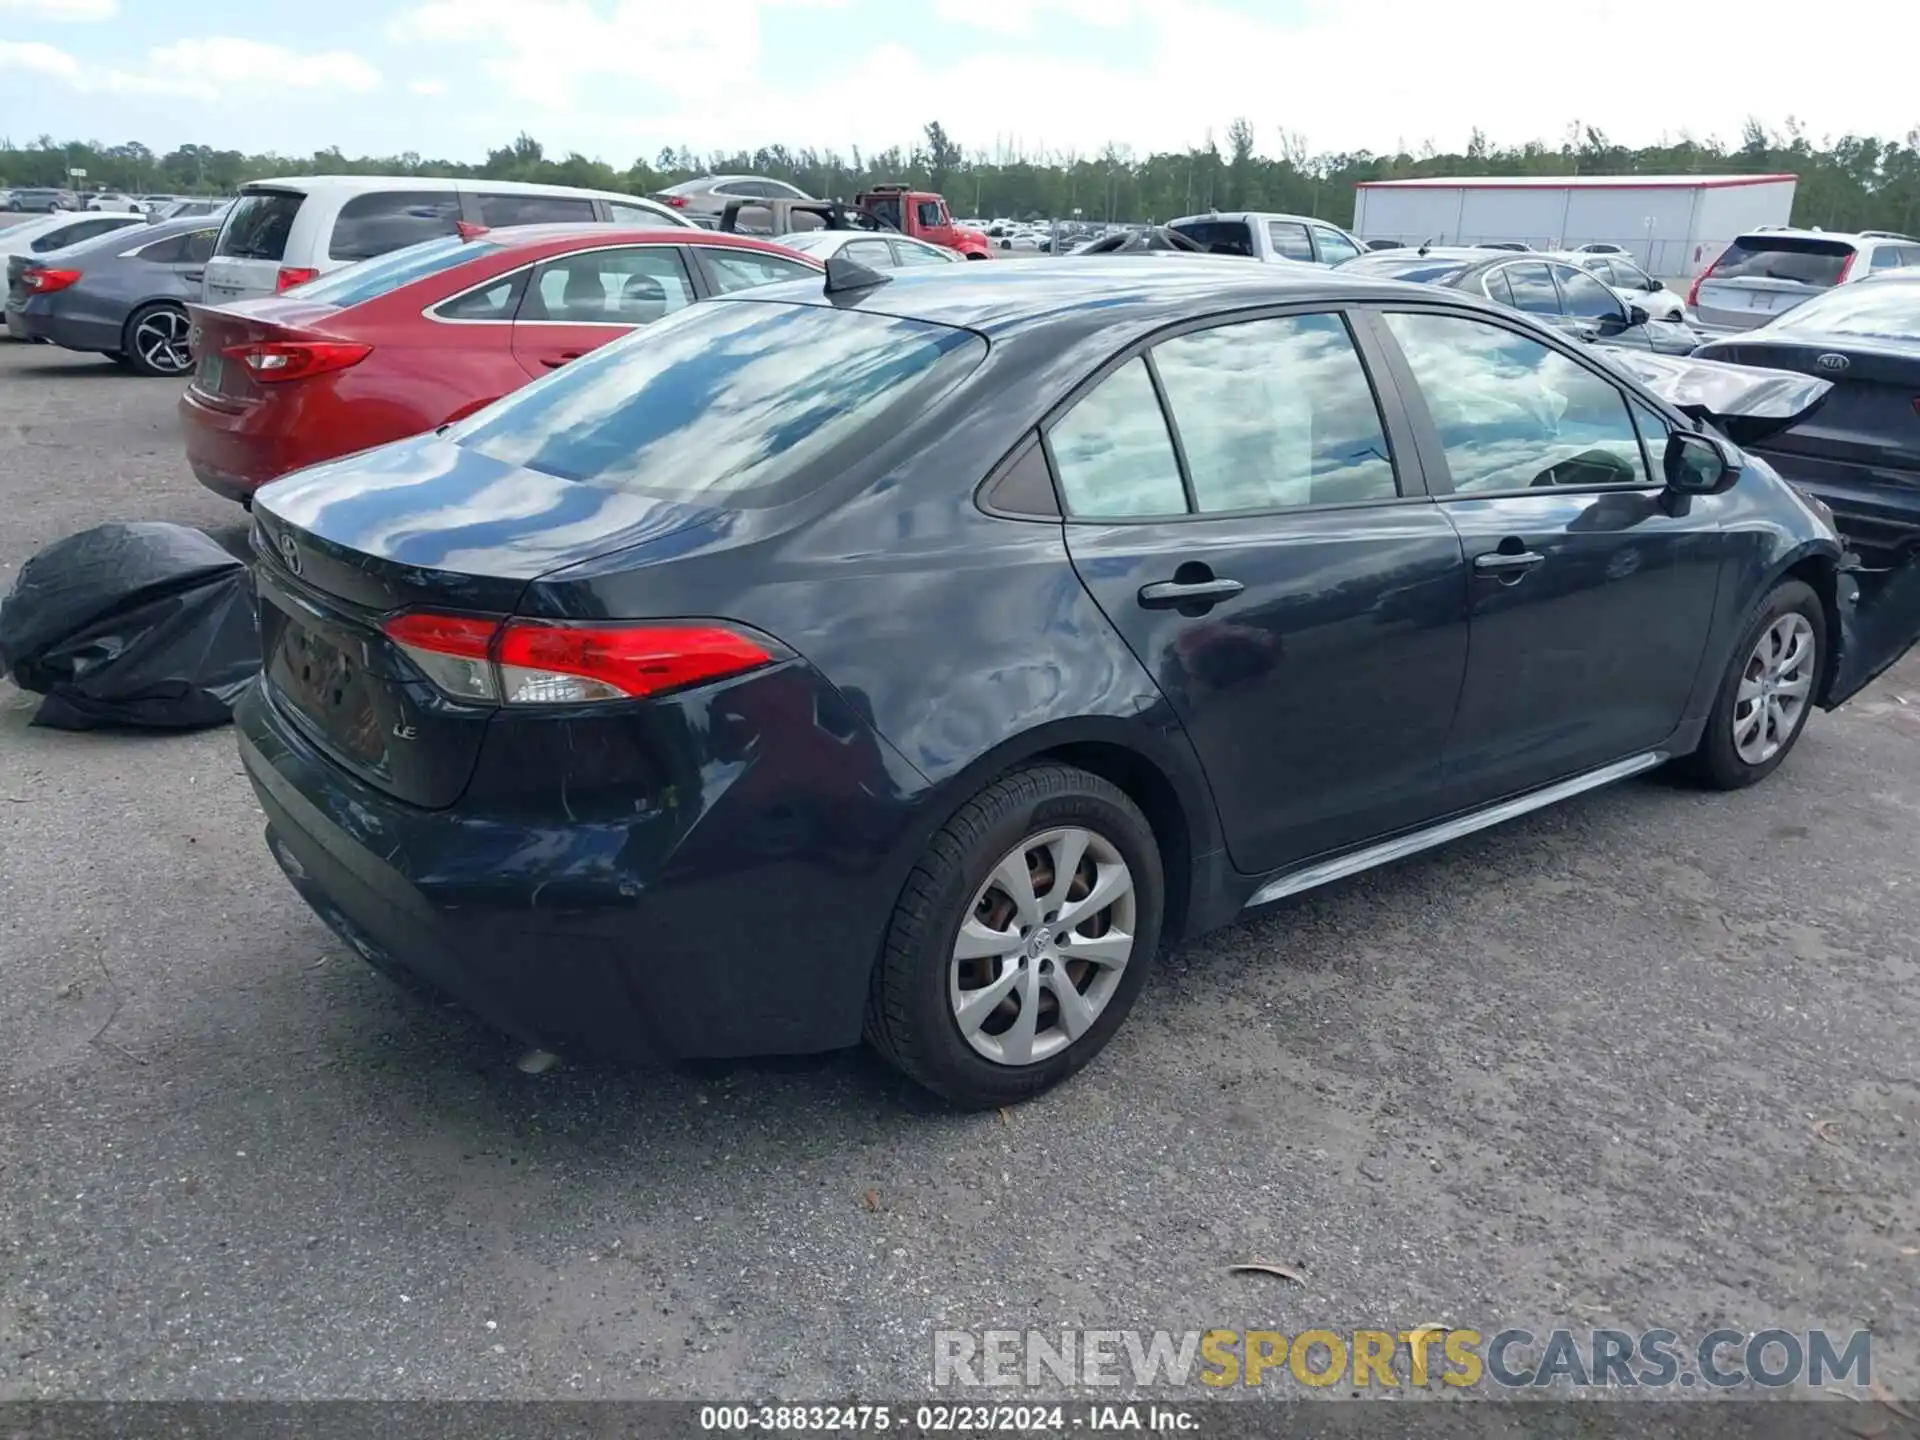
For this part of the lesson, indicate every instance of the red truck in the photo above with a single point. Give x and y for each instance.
(923, 215)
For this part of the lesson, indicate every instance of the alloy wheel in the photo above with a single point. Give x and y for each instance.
(1776, 685)
(1043, 946)
(160, 339)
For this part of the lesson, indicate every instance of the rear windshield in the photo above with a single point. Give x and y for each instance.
(740, 401)
(371, 279)
(1882, 309)
(258, 225)
(1421, 269)
(1783, 257)
(1221, 237)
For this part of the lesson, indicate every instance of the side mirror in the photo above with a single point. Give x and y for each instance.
(1637, 315)
(1653, 284)
(1698, 465)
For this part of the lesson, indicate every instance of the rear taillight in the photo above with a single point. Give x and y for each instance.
(292, 275)
(539, 662)
(45, 282)
(271, 361)
(1847, 268)
(677, 202)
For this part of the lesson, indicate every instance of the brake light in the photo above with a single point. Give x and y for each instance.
(292, 275)
(271, 361)
(539, 662)
(1847, 268)
(676, 202)
(45, 282)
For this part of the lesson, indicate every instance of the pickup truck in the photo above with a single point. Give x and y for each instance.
(1260, 235)
(923, 215)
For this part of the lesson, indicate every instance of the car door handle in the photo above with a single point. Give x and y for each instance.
(554, 362)
(193, 277)
(1172, 594)
(1504, 565)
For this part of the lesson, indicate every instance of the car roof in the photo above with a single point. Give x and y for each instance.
(1250, 215)
(1090, 292)
(363, 184)
(520, 237)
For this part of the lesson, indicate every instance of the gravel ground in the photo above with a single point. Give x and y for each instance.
(1566, 1071)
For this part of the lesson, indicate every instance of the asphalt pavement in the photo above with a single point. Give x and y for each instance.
(1647, 1059)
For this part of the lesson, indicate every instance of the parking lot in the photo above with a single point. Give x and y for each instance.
(1645, 1059)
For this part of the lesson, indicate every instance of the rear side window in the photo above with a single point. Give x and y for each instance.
(386, 273)
(1289, 240)
(171, 251)
(1801, 258)
(501, 211)
(1113, 454)
(742, 403)
(1219, 237)
(876, 253)
(1887, 257)
(1275, 413)
(496, 301)
(258, 225)
(630, 214)
(1532, 287)
(370, 225)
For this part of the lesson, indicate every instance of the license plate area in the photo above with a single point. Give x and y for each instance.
(326, 682)
(212, 369)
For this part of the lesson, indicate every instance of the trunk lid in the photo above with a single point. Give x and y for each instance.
(422, 524)
(1745, 402)
(252, 245)
(1872, 416)
(225, 382)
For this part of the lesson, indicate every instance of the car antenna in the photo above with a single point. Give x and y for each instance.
(845, 276)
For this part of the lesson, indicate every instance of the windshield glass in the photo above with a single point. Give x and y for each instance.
(1885, 309)
(728, 399)
(371, 279)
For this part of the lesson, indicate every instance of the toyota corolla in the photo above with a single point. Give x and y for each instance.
(917, 657)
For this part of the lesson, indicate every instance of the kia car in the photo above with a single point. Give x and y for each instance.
(1860, 451)
(916, 654)
(425, 335)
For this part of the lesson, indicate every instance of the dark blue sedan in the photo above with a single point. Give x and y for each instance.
(917, 657)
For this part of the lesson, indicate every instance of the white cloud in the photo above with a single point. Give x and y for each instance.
(427, 87)
(42, 59)
(1019, 17)
(80, 10)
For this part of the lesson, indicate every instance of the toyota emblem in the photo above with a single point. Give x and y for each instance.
(1832, 362)
(290, 553)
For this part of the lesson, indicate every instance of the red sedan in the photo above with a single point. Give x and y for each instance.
(409, 341)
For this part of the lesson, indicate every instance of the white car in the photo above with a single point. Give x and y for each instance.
(113, 202)
(1766, 272)
(869, 248)
(1630, 283)
(282, 233)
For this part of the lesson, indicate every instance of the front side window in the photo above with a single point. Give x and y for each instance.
(1514, 414)
(733, 270)
(1112, 453)
(928, 213)
(636, 285)
(1275, 413)
(370, 225)
(1334, 247)
(1586, 298)
(499, 211)
(1532, 285)
(1631, 277)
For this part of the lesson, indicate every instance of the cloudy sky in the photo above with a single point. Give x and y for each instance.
(619, 78)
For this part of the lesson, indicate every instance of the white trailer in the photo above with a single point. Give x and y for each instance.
(1673, 225)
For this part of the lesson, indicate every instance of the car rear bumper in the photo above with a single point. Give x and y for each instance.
(233, 452)
(751, 929)
(42, 319)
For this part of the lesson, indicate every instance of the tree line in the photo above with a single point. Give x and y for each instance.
(1854, 182)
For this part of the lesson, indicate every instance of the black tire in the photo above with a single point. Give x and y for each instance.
(137, 362)
(910, 1018)
(119, 357)
(1716, 762)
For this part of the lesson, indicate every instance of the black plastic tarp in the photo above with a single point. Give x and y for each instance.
(144, 625)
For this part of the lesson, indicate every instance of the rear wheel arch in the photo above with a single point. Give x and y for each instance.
(1820, 573)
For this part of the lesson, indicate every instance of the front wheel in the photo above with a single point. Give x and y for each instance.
(157, 341)
(1767, 693)
(1021, 939)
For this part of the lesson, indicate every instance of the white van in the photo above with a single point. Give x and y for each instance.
(281, 233)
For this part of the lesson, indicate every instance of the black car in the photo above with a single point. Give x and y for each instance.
(1860, 452)
(1552, 291)
(916, 658)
